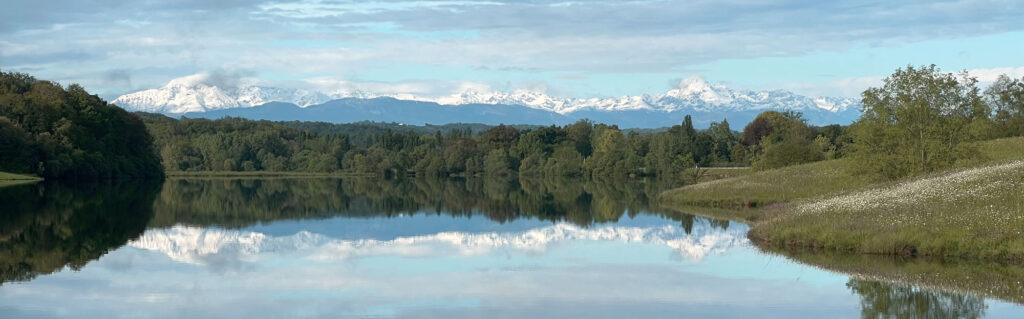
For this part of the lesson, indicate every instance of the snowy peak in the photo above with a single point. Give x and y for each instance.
(206, 92)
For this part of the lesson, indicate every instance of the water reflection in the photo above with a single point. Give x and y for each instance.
(893, 300)
(45, 227)
(237, 248)
(200, 245)
(236, 203)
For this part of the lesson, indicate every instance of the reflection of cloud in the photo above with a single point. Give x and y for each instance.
(203, 246)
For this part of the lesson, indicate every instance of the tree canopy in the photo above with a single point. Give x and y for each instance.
(67, 133)
(920, 120)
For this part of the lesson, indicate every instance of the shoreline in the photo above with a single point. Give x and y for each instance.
(972, 212)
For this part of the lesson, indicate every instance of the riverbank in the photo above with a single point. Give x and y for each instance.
(7, 179)
(972, 212)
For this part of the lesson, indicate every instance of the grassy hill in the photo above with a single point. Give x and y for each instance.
(974, 211)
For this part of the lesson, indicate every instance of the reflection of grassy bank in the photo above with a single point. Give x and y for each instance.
(974, 212)
(993, 280)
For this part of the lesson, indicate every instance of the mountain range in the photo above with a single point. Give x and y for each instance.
(197, 96)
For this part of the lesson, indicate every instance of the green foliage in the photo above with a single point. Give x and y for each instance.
(582, 148)
(498, 163)
(1006, 97)
(781, 139)
(918, 121)
(60, 133)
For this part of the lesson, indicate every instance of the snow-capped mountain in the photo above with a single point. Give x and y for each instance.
(196, 93)
(201, 97)
(693, 93)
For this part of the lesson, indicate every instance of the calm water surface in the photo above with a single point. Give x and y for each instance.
(293, 248)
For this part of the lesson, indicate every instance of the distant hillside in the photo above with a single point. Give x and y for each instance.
(385, 109)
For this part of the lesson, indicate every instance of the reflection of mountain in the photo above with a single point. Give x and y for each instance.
(243, 202)
(45, 227)
(197, 245)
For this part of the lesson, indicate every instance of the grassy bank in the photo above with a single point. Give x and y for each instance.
(975, 211)
(7, 179)
(768, 187)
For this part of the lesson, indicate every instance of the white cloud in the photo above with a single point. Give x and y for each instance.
(852, 87)
(990, 75)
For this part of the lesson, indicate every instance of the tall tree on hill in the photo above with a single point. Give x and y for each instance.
(918, 121)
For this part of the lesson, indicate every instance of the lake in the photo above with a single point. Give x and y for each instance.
(426, 248)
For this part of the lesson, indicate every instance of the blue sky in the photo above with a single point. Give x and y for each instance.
(566, 48)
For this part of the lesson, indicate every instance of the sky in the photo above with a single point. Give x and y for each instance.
(598, 48)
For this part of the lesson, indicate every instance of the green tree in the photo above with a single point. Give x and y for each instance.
(498, 163)
(1006, 97)
(918, 121)
(780, 139)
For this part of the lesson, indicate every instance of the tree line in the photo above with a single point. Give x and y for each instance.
(579, 149)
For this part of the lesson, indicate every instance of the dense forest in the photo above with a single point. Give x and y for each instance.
(67, 133)
(580, 149)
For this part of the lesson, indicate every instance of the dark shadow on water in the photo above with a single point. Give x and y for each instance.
(47, 226)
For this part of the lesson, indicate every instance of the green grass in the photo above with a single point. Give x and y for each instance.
(9, 179)
(768, 187)
(715, 173)
(975, 211)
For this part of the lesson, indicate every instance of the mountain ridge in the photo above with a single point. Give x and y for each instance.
(204, 96)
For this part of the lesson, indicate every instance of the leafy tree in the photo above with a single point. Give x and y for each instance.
(1006, 97)
(498, 163)
(779, 139)
(918, 121)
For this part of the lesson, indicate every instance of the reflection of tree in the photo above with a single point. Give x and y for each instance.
(891, 300)
(242, 202)
(45, 227)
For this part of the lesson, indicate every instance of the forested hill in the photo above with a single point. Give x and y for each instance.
(69, 134)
